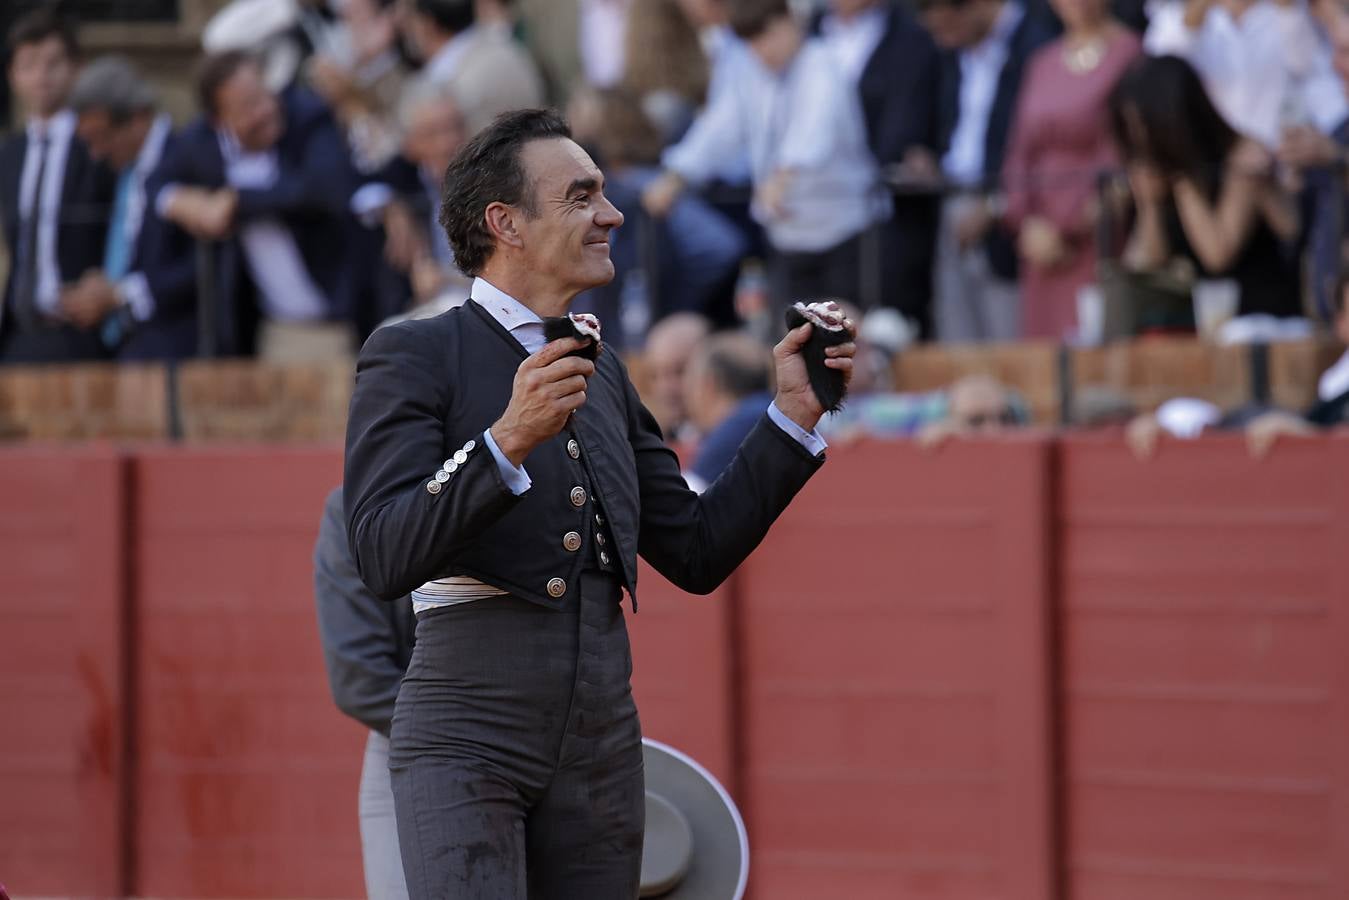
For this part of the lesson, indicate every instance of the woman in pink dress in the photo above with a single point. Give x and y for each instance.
(1060, 141)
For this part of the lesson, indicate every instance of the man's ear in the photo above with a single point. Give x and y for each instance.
(503, 222)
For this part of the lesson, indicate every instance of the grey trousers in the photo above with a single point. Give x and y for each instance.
(379, 831)
(971, 303)
(516, 754)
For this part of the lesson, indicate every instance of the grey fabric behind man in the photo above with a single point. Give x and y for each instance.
(366, 645)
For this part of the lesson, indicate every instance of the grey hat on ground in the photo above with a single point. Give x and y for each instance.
(696, 846)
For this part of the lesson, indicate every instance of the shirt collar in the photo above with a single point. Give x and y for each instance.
(511, 313)
(1000, 35)
(58, 127)
(152, 148)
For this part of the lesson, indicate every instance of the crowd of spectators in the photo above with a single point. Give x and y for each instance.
(957, 170)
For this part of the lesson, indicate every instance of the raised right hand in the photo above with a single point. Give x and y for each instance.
(549, 386)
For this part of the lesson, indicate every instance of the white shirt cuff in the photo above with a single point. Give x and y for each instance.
(164, 198)
(516, 478)
(813, 441)
(134, 291)
(370, 201)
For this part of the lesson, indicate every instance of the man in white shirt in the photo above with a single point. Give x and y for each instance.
(815, 180)
(53, 199)
(1263, 62)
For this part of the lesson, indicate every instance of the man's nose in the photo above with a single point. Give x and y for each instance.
(607, 215)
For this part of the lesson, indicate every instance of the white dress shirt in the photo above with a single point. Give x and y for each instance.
(287, 291)
(1265, 71)
(854, 40)
(980, 71)
(806, 120)
(526, 327)
(58, 130)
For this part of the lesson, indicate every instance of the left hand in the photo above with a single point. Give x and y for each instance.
(796, 398)
(1040, 243)
(972, 225)
(89, 300)
(772, 194)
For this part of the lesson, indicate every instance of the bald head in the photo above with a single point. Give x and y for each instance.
(669, 344)
(978, 403)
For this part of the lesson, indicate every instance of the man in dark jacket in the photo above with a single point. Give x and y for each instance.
(367, 645)
(142, 300)
(516, 751)
(267, 177)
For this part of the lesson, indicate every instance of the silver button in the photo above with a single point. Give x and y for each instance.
(599, 539)
(442, 476)
(451, 466)
(572, 541)
(469, 445)
(578, 496)
(433, 487)
(557, 587)
(604, 559)
(573, 449)
(460, 457)
(599, 519)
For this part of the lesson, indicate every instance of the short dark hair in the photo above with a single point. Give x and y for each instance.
(215, 71)
(738, 364)
(488, 170)
(449, 15)
(36, 26)
(751, 18)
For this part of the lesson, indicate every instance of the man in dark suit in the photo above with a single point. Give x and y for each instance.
(142, 300)
(367, 645)
(268, 179)
(985, 47)
(896, 68)
(53, 199)
(509, 485)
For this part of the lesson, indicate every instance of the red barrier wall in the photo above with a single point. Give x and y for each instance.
(248, 773)
(62, 759)
(1206, 671)
(894, 632)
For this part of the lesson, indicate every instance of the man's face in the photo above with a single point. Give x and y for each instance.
(435, 135)
(954, 26)
(979, 406)
(246, 107)
(567, 238)
(116, 145)
(42, 74)
(777, 44)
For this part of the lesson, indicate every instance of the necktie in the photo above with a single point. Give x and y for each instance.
(26, 272)
(117, 251)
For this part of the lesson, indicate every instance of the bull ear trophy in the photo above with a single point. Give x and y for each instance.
(582, 326)
(828, 320)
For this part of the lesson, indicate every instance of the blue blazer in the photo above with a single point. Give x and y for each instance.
(310, 198)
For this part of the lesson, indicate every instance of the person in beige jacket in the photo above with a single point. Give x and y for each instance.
(487, 71)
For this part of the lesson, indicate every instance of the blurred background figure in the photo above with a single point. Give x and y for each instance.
(669, 347)
(142, 300)
(1201, 191)
(986, 46)
(54, 199)
(814, 175)
(1060, 145)
(893, 65)
(665, 65)
(267, 178)
(489, 72)
(360, 74)
(1262, 61)
(727, 387)
(976, 405)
